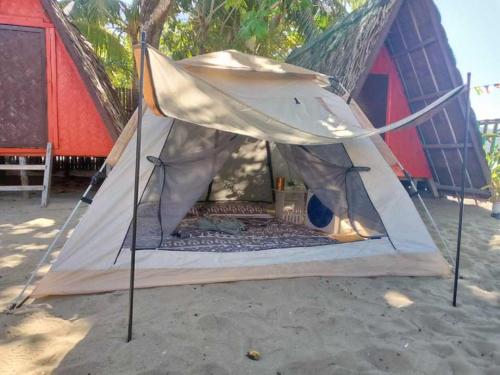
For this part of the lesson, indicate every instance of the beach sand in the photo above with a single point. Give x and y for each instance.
(399, 325)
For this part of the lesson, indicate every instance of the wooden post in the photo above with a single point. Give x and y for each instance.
(24, 177)
(47, 174)
(433, 187)
(493, 144)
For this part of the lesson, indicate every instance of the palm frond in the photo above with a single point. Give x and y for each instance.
(108, 46)
(94, 11)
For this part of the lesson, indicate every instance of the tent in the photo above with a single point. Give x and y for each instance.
(207, 117)
(52, 86)
(394, 58)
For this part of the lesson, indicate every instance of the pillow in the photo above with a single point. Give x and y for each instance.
(194, 211)
(231, 208)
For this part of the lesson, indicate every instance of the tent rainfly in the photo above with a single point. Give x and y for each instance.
(206, 119)
(394, 58)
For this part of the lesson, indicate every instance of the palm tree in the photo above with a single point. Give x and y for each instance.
(264, 27)
(113, 26)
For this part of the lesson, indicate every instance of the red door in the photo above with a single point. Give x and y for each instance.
(23, 87)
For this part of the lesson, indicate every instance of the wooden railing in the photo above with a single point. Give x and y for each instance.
(23, 168)
(128, 99)
(490, 131)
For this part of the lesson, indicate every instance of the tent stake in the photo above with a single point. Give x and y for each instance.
(136, 188)
(462, 191)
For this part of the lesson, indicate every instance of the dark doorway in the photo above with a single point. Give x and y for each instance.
(373, 98)
(23, 87)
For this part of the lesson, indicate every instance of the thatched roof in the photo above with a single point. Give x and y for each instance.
(90, 68)
(344, 50)
(417, 42)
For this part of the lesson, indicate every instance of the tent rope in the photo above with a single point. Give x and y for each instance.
(428, 213)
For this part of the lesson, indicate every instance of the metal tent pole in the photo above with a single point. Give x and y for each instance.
(136, 188)
(462, 190)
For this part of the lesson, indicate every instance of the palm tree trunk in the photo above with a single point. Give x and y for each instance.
(153, 15)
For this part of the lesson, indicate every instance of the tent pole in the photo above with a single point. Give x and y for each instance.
(462, 191)
(136, 188)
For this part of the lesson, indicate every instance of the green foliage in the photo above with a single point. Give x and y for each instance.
(103, 24)
(178, 41)
(269, 28)
(493, 160)
(492, 150)
(97, 12)
(112, 49)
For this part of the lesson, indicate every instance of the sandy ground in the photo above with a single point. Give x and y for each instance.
(301, 326)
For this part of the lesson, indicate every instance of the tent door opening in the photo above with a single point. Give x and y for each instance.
(173, 213)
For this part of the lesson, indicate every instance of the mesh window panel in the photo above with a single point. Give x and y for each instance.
(325, 171)
(363, 216)
(190, 159)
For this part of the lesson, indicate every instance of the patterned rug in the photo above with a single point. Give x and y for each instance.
(260, 234)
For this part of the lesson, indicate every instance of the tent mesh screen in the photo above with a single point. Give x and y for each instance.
(362, 215)
(190, 159)
(193, 156)
(327, 170)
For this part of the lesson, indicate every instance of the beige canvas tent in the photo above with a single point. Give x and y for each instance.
(209, 121)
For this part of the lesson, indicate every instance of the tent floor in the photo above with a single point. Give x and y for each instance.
(260, 233)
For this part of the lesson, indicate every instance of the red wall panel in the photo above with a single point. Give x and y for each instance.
(80, 127)
(75, 126)
(405, 144)
(23, 8)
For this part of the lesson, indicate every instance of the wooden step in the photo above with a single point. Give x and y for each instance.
(22, 167)
(21, 187)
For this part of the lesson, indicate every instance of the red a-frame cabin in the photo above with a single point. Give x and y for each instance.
(52, 87)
